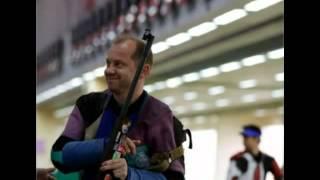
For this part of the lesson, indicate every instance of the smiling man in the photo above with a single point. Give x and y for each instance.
(150, 148)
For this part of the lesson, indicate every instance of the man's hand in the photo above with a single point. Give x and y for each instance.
(44, 174)
(130, 145)
(119, 167)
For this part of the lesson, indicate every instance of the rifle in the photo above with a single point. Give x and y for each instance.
(119, 131)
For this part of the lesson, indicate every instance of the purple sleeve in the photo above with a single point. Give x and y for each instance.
(75, 126)
(163, 138)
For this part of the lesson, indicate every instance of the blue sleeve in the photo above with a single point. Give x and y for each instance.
(140, 174)
(79, 154)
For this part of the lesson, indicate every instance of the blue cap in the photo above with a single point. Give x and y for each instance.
(250, 133)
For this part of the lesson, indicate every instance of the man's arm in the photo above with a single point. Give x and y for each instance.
(76, 155)
(163, 141)
(70, 153)
(276, 171)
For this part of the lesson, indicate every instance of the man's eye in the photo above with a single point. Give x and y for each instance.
(118, 64)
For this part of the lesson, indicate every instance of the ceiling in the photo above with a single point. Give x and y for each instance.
(256, 34)
(200, 101)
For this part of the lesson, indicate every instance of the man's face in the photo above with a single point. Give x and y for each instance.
(250, 142)
(120, 66)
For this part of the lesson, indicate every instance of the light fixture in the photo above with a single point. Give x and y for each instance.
(88, 76)
(228, 67)
(174, 82)
(40, 99)
(279, 77)
(258, 5)
(277, 93)
(159, 47)
(189, 96)
(202, 29)
(149, 88)
(209, 72)
(99, 71)
(222, 102)
(61, 88)
(75, 82)
(46, 95)
(178, 39)
(230, 16)
(276, 54)
(216, 90)
(159, 85)
(191, 77)
(248, 83)
(169, 100)
(253, 60)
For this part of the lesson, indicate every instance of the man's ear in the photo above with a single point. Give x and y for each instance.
(146, 70)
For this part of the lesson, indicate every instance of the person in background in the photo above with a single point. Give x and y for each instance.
(252, 164)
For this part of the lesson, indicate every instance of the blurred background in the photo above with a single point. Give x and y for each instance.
(218, 64)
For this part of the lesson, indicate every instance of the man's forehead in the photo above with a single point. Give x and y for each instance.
(127, 45)
(121, 45)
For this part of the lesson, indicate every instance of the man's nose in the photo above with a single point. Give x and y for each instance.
(110, 70)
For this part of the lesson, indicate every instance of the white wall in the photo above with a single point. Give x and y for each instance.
(201, 160)
(48, 130)
(272, 143)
